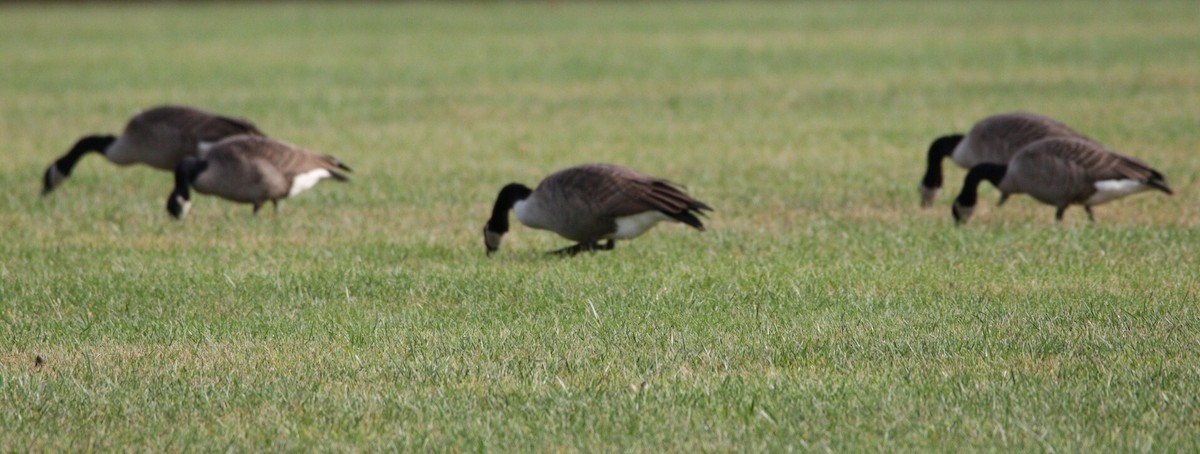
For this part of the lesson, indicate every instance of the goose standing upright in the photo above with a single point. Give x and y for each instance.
(992, 140)
(1061, 172)
(250, 169)
(590, 203)
(159, 137)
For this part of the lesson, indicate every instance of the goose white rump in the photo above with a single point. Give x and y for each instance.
(1109, 190)
(632, 226)
(306, 180)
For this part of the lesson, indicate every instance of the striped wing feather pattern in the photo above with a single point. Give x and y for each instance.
(290, 160)
(255, 169)
(1064, 171)
(615, 191)
(192, 124)
(997, 138)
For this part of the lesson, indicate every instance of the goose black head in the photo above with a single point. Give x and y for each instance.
(61, 168)
(52, 179)
(941, 148)
(964, 204)
(178, 205)
(961, 212)
(180, 200)
(497, 225)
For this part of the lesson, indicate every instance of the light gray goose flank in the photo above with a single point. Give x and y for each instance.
(592, 203)
(159, 137)
(992, 140)
(250, 169)
(1061, 172)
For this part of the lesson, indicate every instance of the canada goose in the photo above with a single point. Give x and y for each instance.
(592, 202)
(992, 140)
(159, 137)
(1061, 171)
(250, 169)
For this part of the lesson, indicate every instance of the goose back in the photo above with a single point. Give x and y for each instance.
(996, 139)
(162, 136)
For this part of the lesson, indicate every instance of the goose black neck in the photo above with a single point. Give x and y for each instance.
(938, 150)
(993, 173)
(185, 174)
(509, 196)
(97, 143)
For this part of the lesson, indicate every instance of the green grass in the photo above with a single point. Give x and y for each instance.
(822, 310)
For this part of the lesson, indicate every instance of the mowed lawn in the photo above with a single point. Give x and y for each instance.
(821, 310)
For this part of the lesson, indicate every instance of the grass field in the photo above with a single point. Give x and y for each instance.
(822, 310)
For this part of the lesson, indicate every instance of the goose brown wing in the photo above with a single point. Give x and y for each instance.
(1034, 127)
(210, 127)
(1101, 164)
(195, 123)
(616, 191)
(219, 127)
(292, 161)
(997, 138)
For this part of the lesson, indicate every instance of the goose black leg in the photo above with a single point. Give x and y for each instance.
(257, 205)
(1059, 214)
(570, 251)
(1091, 217)
(275, 204)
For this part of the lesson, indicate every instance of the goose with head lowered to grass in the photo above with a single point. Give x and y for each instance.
(992, 140)
(159, 137)
(592, 203)
(250, 169)
(1061, 172)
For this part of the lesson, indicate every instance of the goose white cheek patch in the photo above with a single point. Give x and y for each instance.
(963, 213)
(928, 195)
(184, 205)
(307, 180)
(56, 177)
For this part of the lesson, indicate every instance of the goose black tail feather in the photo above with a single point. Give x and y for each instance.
(1161, 186)
(1157, 181)
(687, 217)
(338, 176)
(338, 163)
(670, 193)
